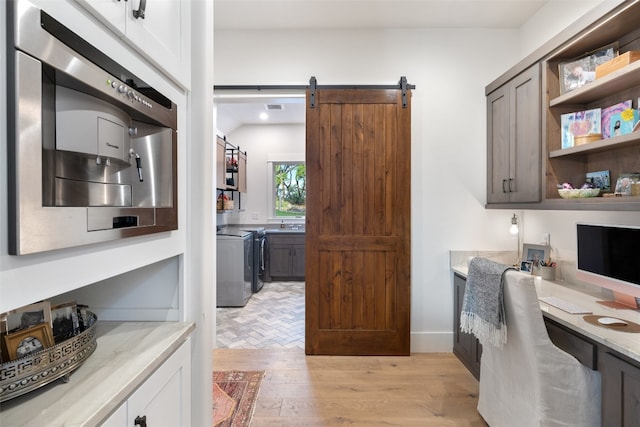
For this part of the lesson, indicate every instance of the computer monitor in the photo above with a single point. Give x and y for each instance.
(609, 257)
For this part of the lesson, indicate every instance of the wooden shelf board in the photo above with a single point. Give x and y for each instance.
(590, 204)
(597, 146)
(621, 79)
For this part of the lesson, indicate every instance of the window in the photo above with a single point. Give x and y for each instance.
(289, 189)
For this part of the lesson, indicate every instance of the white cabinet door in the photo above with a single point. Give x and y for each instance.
(118, 418)
(162, 36)
(165, 398)
(109, 12)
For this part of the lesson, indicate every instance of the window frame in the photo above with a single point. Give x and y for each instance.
(271, 199)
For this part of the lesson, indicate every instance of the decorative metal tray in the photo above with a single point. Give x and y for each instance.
(28, 373)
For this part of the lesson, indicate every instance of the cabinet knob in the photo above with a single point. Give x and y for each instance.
(140, 421)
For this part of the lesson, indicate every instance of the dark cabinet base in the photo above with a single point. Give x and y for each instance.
(465, 346)
(620, 375)
(285, 258)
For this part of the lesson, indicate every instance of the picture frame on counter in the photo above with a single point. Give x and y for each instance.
(27, 316)
(526, 266)
(64, 321)
(535, 253)
(28, 341)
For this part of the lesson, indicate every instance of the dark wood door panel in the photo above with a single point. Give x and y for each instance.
(358, 223)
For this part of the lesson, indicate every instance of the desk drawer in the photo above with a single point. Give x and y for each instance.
(577, 346)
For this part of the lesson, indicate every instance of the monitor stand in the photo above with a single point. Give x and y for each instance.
(621, 302)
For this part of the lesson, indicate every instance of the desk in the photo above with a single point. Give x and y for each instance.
(615, 354)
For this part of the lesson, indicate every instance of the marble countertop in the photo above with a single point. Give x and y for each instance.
(126, 355)
(624, 343)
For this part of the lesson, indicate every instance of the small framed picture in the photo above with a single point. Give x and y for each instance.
(600, 179)
(28, 341)
(535, 253)
(526, 266)
(29, 315)
(623, 184)
(64, 321)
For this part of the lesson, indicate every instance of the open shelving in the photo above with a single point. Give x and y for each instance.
(618, 155)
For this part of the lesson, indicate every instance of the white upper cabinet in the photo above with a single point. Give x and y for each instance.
(157, 29)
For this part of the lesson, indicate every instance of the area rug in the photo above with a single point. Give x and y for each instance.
(234, 397)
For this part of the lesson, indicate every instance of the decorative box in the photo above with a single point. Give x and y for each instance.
(585, 139)
(617, 63)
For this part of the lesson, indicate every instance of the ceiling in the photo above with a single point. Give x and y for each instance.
(322, 14)
(236, 109)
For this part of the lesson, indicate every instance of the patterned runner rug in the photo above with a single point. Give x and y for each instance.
(234, 397)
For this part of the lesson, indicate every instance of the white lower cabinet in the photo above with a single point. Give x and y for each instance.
(163, 400)
(118, 418)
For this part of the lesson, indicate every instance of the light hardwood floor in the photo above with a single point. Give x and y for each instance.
(420, 390)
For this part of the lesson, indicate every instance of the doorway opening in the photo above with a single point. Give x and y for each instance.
(269, 125)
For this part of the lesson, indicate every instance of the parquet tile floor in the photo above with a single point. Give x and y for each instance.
(272, 319)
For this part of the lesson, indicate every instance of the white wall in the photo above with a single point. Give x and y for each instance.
(551, 19)
(450, 69)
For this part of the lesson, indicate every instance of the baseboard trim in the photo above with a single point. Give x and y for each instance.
(431, 342)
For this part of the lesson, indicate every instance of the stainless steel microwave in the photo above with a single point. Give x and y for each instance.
(91, 147)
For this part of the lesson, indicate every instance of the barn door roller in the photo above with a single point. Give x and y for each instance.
(402, 85)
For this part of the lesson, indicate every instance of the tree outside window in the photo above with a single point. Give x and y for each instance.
(290, 188)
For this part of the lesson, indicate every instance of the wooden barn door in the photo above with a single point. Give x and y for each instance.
(358, 222)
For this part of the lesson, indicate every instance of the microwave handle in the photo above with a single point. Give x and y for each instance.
(139, 13)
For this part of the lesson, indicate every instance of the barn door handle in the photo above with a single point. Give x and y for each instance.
(139, 13)
(140, 421)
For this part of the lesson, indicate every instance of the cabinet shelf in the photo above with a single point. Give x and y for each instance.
(599, 146)
(624, 78)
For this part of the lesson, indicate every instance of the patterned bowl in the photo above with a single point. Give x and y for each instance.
(578, 193)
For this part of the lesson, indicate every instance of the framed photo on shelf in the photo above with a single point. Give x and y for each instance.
(535, 253)
(28, 341)
(600, 179)
(580, 71)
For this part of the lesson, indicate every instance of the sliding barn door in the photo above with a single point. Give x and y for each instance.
(358, 222)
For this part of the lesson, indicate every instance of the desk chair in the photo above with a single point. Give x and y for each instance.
(531, 382)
